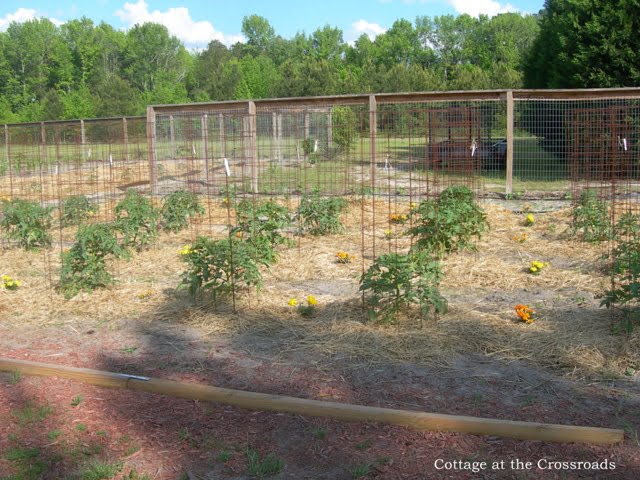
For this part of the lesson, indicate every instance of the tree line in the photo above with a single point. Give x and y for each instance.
(83, 70)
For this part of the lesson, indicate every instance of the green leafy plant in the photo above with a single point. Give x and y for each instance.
(27, 222)
(76, 209)
(219, 267)
(396, 281)
(137, 220)
(591, 218)
(260, 224)
(625, 272)
(266, 466)
(449, 223)
(178, 208)
(84, 265)
(321, 216)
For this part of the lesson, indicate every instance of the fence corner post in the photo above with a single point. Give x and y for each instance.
(510, 121)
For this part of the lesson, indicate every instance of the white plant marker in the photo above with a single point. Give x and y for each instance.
(227, 170)
(110, 160)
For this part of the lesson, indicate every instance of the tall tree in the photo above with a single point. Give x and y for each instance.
(259, 32)
(153, 56)
(586, 43)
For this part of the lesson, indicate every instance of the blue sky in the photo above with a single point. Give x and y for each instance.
(197, 22)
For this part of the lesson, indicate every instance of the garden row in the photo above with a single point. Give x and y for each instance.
(393, 282)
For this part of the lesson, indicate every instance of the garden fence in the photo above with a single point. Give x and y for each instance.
(383, 152)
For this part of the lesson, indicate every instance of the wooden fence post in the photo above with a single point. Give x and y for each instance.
(172, 137)
(205, 145)
(7, 151)
(125, 133)
(151, 146)
(252, 144)
(83, 141)
(223, 150)
(43, 143)
(306, 134)
(510, 120)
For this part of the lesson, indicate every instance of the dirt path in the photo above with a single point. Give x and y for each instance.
(73, 426)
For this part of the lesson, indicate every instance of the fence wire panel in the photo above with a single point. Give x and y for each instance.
(573, 143)
(603, 150)
(54, 163)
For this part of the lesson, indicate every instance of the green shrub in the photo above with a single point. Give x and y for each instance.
(84, 265)
(178, 208)
(449, 223)
(218, 267)
(76, 209)
(27, 222)
(591, 217)
(137, 220)
(321, 216)
(260, 225)
(344, 127)
(625, 271)
(396, 281)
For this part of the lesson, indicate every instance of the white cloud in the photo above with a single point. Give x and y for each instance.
(22, 15)
(481, 7)
(372, 30)
(179, 23)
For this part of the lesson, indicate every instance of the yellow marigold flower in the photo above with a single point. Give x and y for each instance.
(530, 219)
(292, 302)
(311, 300)
(387, 232)
(534, 269)
(186, 250)
(344, 257)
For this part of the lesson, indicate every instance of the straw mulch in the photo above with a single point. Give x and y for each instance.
(571, 333)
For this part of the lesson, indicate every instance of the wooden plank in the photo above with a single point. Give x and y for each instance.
(151, 142)
(510, 120)
(340, 411)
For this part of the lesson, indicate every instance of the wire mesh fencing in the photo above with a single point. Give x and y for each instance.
(378, 156)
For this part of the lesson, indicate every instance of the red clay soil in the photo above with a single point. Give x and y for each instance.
(163, 438)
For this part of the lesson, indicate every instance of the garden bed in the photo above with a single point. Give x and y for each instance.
(477, 359)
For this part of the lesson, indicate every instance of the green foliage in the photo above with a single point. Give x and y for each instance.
(84, 265)
(77, 209)
(449, 223)
(585, 44)
(219, 267)
(137, 220)
(98, 470)
(27, 222)
(625, 271)
(260, 225)
(591, 217)
(263, 466)
(321, 216)
(178, 208)
(396, 281)
(345, 127)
